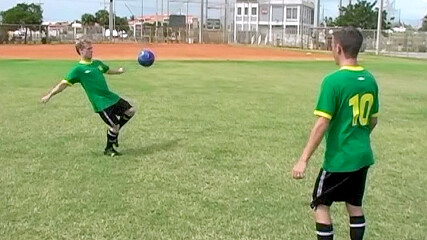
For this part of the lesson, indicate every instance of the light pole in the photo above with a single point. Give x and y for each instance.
(201, 23)
(110, 20)
(379, 26)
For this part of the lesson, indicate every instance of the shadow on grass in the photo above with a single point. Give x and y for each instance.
(150, 149)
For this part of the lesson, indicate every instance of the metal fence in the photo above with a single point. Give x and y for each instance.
(279, 36)
(407, 43)
(33, 34)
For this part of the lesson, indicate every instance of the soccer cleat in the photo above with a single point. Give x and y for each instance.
(111, 152)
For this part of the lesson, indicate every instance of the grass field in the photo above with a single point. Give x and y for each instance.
(208, 155)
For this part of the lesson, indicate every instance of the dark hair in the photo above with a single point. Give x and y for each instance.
(350, 40)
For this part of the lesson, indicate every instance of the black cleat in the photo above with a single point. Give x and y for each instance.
(111, 152)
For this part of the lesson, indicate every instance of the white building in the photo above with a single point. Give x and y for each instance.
(271, 21)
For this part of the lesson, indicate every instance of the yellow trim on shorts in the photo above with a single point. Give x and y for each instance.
(352, 68)
(322, 114)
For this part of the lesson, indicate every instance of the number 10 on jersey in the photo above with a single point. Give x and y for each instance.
(361, 108)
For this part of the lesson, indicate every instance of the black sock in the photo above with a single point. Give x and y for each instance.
(123, 120)
(111, 139)
(357, 227)
(324, 231)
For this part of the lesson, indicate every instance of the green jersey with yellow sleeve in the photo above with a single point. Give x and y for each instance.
(349, 99)
(91, 76)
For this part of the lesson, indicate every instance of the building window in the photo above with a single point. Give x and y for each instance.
(291, 13)
(291, 30)
(239, 11)
(254, 11)
(246, 11)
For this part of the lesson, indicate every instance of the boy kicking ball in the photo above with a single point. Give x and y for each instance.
(114, 110)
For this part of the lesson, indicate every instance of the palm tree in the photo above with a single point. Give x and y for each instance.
(88, 19)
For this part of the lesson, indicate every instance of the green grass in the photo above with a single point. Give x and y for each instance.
(208, 155)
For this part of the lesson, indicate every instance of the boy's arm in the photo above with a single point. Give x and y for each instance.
(57, 89)
(373, 123)
(314, 140)
(114, 71)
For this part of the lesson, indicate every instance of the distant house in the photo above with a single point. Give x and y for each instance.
(273, 19)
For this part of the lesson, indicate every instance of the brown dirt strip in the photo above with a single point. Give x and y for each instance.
(129, 51)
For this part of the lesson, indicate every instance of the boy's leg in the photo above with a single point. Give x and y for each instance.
(128, 114)
(321, 204)
(354, 204)
(124, 111)
(112, 133)
(357, 221)
(324, 228)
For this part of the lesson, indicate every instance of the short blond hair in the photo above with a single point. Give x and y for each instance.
(80, 44)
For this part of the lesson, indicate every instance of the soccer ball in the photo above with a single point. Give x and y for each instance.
(146, 58)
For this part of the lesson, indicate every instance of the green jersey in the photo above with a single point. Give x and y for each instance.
(349, 98)
(91, 76)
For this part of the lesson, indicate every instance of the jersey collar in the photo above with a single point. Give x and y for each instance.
(352, 68)
(85, 62)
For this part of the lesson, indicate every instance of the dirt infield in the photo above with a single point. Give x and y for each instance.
(129, 51)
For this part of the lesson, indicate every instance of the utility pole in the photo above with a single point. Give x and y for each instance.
(201, 23)
(282, 41)
(317, 14)
(110, 20)
(301, 16)
(379, 26)
(207, 10)
(157, 17)
(225, 21)
(188, 27)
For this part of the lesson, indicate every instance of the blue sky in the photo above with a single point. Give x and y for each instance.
(54, 10)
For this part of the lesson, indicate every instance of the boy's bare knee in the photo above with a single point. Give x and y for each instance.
(130, 112)
(354, 210)
(322, 214)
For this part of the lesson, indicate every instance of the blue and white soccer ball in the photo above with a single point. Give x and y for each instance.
(146, 58)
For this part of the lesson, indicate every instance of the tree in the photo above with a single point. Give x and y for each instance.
(88, 19)
(122, 24)
(329, 22)
(424, 26)
(362, 14)
(23, 14)
(102, 17)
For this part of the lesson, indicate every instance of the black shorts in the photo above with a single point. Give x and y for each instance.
(110, 115)
(339, 187)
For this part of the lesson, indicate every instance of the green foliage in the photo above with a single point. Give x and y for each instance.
(23, 14)
(329, 22)
(88, 19)
(102, 17)
(122, 24)
(362, 14)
